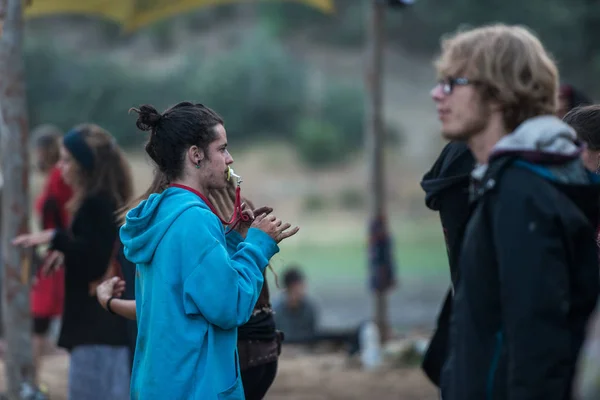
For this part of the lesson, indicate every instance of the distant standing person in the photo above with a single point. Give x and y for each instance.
(94, 166)
(47, 292)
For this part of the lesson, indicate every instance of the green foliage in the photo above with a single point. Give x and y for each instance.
(315, 202)
(352, 199)
(319, 143)
(567, 28)
(259, 88)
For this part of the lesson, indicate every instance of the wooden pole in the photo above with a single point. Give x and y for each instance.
(15, 263)
(375, 136)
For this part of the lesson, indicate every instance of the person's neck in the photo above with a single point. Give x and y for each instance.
(192, 183)
(482, 144)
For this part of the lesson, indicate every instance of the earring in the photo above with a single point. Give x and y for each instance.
(198, 166)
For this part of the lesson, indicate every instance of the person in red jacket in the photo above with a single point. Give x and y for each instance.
(47, 292)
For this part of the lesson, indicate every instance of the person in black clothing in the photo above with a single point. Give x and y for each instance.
(527, 269)
(446, 186)
(586, 122)
(96, 169)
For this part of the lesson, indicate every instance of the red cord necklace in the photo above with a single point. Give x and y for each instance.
(237, 205)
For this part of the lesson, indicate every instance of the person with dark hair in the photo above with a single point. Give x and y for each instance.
(259, 343)
(569, 98)
(295, 313)
(94, 166)
(586, 122)
(191, 293)
(47, 292)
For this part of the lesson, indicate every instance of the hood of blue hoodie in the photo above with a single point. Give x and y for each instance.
(146, 224)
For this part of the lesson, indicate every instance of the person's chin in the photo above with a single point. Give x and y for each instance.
(221, 185)
(453, 135)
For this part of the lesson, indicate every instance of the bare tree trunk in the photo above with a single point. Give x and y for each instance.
(375, 137)
(15, 211)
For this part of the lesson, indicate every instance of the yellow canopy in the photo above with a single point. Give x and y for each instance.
(134, 14)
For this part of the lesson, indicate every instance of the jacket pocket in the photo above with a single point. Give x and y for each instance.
(235, 391)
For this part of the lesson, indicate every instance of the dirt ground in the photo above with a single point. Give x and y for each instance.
(301, 377)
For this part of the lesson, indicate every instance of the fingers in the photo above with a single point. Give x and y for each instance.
(230, 191)
(22, 240)
(221, 202)
(249, 213)
(119, 288)
(250, 204)
(264, 209)
(259, 218)
(52, 262)
(287, 234)
(284, 227)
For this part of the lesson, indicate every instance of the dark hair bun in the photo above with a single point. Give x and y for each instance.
(148, 117)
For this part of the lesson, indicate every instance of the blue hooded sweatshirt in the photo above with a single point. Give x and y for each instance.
(191, 295)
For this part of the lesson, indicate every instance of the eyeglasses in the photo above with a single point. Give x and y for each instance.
(448, 84)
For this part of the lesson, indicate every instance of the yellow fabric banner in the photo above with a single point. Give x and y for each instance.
(134, 14)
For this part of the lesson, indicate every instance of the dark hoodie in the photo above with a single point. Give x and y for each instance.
(447, 191)
(446, 188)
(528, 270)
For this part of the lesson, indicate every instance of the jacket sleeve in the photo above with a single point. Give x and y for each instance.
(233, 239)
(90, 249)
(534, 292)
(220, 287)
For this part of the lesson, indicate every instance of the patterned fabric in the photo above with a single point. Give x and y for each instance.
(99, 372)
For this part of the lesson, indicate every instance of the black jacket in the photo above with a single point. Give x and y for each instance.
(528, 276)
(447, 191)
(446, 188)
(88, 247)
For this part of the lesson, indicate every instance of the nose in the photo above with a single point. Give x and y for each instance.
(229, 159)
(436, 93)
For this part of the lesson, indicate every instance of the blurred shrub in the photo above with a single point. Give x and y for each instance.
(319, 143)
(259, 88)
(352, 199)
(315, 202)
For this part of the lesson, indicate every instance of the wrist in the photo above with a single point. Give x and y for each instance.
(107, 304)
(242, 230)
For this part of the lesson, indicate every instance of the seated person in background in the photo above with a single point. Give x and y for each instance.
(295, 314)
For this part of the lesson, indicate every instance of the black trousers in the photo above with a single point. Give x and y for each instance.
(257, 380)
